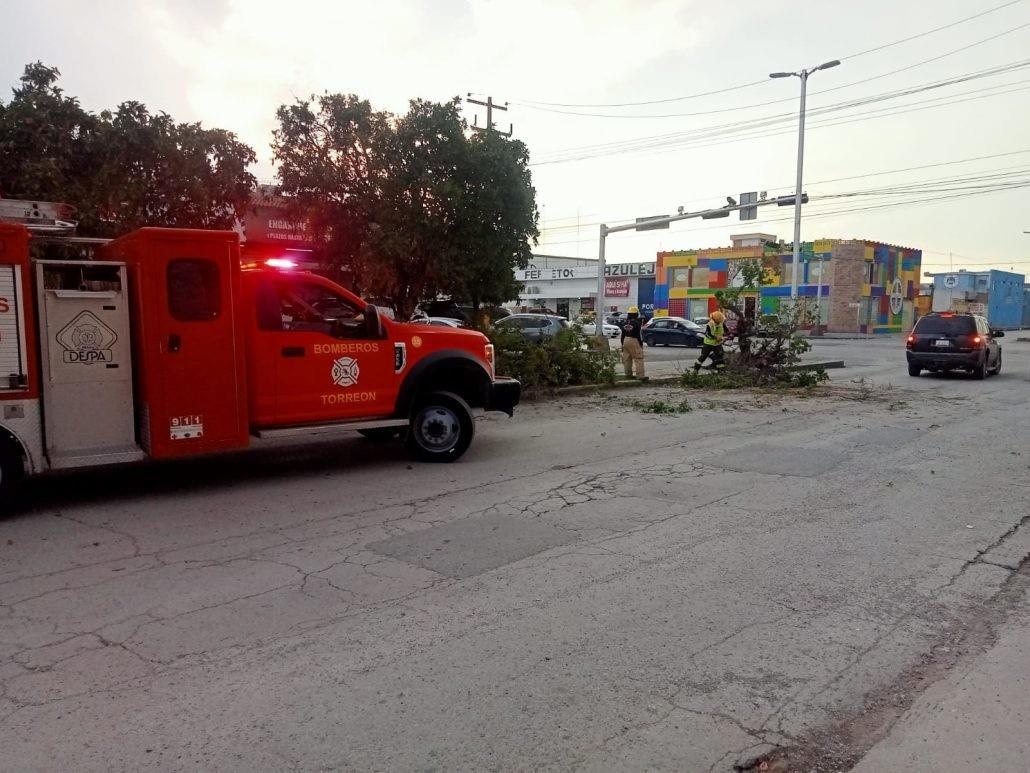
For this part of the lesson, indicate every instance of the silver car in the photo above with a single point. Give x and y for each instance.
(533, 327)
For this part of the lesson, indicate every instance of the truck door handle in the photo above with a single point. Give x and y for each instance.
(293, 351)
(174, 342)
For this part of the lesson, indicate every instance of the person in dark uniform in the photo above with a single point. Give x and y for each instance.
(715, 335)
(632, 346)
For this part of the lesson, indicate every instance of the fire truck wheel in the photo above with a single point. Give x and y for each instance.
(12, 474)
(380, 434)
(441, 428)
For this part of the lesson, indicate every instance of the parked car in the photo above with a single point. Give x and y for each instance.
(610, 331)
(533, 327)
(462, 312)
(672, 331)
(439, 321)
(944, 341)
(700, 321)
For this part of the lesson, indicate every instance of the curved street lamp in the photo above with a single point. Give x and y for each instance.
(803, 75)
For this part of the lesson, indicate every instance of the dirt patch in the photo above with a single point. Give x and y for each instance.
(841, 746)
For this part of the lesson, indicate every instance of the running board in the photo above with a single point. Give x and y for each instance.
(339, 427)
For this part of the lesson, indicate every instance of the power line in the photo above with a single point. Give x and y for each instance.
(530, 102)
(701, 141)
(784, 99)
(930, 32)
(900, 170)
(838, 212)
(790, 117)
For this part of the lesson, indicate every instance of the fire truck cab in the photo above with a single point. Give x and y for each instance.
(163, 345)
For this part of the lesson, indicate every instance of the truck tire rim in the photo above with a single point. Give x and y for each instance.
(437, 428)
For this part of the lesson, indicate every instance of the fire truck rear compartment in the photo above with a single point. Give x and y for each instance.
(86, 358)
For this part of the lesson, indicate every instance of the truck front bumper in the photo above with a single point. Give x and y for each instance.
(504, 395)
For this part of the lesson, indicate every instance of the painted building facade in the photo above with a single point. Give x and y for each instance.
(998, 295)
(862, 286)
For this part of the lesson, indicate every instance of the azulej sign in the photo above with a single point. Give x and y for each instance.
(533, 274)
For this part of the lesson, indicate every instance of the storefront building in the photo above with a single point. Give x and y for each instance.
(568, 286)
(997, 295)
(859, 286)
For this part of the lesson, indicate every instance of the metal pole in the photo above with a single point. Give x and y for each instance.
(797, 190)
(598, 305)
(819, 296)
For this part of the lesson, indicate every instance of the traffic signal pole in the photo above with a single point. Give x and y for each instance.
(663, 222)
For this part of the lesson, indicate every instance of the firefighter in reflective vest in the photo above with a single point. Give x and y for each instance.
(632, 348)
(715, 334)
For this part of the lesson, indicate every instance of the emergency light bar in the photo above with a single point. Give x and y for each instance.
(280, 263)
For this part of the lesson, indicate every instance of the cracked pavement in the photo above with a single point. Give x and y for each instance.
(590, 588)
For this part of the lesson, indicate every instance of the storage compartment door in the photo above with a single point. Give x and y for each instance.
(87, 366)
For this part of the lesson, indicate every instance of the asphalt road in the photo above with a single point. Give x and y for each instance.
(591, 587)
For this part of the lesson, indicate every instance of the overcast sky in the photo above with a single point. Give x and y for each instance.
(231, 63)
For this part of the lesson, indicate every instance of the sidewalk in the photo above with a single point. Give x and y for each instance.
(977, 718)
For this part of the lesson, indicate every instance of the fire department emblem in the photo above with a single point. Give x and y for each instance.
(86, 339)
(346, 372)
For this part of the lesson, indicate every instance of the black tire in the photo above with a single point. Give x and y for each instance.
(12, 476)
(914, 370)
(647, 341)
(997, 368)
(980, 371)
(380, 434)
(441, 428)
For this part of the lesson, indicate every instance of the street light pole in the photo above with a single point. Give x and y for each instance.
(797, 189)
(598, 321)
(803, 75)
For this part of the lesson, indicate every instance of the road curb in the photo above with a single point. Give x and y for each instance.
(827, 365)
(651, 381)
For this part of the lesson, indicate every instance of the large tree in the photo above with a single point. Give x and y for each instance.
(123, 168)
(412, 205)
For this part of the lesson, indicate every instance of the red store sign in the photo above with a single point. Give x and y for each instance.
(616, 287)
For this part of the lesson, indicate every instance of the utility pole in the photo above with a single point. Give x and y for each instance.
(490, 106)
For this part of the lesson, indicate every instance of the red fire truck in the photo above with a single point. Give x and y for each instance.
(163, 345)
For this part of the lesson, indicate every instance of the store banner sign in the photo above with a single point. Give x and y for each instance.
(616, 288)
(532, 274)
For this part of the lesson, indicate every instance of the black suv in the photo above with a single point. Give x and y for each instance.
(943, 341)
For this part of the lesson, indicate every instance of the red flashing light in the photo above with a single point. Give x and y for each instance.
(280, 263)
(947, 314)
(977, 340)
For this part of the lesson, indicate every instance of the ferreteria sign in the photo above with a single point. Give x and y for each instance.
(533, 274)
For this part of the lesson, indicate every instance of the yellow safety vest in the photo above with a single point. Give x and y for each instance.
(719, 331)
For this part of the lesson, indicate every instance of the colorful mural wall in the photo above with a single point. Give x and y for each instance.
(875, 284)
(686, 281)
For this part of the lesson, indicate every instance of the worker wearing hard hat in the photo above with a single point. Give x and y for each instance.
(715, 334)
(632, 346)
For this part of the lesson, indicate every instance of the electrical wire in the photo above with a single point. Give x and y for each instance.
(530, 102)
(934, 165)
(785, 99)
(701, 141)
(1015, 185)
(790, 117)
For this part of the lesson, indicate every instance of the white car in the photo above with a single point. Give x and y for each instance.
(610, 331)
(439, 321)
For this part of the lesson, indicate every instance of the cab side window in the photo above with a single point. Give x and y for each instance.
(308, 307)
